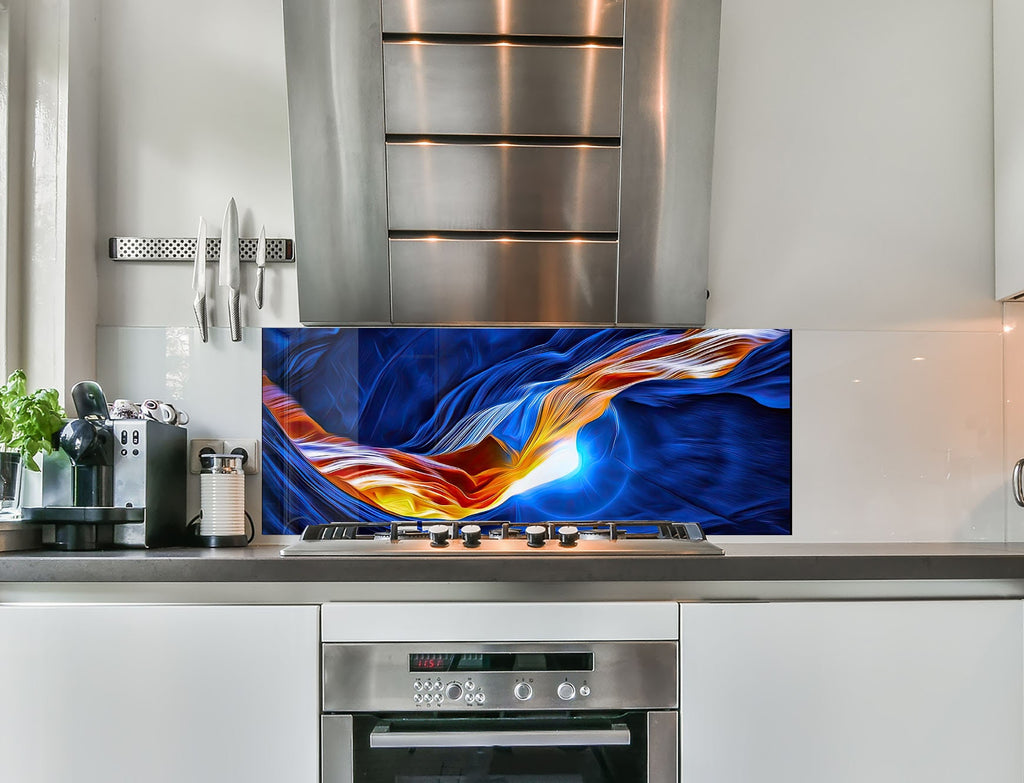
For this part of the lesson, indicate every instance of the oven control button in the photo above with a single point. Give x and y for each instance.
(568, 535)
(417, 699)
(566, 691)
(470, 535)
(522, 691)
(438, 535)
(584, 690)
(469, 698)
(536, 535)
(470, 685)
(438, 698)
(453, 691)
(479, 697)
(417, 686)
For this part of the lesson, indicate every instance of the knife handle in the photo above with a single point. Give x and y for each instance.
(199, 306)
(234, 317)
(258, 294)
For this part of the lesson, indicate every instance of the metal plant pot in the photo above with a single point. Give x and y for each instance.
(11, 469)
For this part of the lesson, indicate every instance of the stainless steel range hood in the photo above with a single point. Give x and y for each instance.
(502, 161)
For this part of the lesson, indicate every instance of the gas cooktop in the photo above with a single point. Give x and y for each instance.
(455, 539)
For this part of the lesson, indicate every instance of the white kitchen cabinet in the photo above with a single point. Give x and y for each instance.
(1008, 130)
(849, 692)
(161, 694)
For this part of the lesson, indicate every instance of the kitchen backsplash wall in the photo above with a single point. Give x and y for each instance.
(852, 202)
(896, 436)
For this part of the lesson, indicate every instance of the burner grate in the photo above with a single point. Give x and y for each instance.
(588, 530)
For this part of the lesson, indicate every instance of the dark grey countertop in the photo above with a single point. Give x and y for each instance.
(741, 563)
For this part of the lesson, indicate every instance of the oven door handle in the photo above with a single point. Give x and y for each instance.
(383, 737)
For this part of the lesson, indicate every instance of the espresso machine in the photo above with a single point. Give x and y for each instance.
(112, 483)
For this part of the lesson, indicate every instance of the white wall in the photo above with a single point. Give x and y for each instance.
(852, 203)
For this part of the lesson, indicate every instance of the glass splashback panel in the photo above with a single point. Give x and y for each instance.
(527, 425)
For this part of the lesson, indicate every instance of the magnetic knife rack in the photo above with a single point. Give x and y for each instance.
(279, 251)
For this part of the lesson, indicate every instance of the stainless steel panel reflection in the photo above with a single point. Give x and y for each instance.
(336, 749)
(483, 281)
(626, 675)
(670, 66)
(500, 89)
(662, 747)
(597, 18)
(336, 124)
(502, 187)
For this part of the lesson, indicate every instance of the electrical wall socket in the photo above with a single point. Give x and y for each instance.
(196, 446)
(251, 449)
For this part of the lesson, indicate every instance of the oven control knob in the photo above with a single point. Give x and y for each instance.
(566, 691)
(438, 535)
(522, 691)
(568, 535)
(535, 535)
(453, 692)
(584, 690)
(470, 535)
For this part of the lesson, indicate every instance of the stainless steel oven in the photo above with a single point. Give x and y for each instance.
(518, 712)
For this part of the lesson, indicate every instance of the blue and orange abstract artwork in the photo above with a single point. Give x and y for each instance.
(528, 425)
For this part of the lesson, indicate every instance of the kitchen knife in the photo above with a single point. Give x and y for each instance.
(261, 262)
(229, 274)
(199, 281)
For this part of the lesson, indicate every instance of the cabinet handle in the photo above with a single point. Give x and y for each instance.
(1018, 487)
(382, 737)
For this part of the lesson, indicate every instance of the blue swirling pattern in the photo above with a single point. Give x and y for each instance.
(686, 439)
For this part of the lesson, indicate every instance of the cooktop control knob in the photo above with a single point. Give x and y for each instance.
(470, 535)
(568, 535)
(535, 535)
(453, 692)
(566, 691)
(438, 535)
(522, 691)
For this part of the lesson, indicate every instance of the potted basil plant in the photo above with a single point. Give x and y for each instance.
(28, 423)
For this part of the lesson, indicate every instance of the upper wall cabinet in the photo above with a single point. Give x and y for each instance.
(502, 161)
(1008, 104)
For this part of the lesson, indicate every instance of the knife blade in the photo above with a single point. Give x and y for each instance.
(199, 282)
(229, 272)
(261, 262)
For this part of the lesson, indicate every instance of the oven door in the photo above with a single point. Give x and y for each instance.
(630, 747)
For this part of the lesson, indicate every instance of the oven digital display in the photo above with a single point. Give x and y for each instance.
(501, 662)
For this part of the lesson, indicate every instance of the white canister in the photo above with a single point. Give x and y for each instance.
(222, 498)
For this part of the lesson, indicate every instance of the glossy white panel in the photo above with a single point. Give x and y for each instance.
(216, 383)
(1013, 395)
(193, 111)
(896, 437)
(850, 692)
(507, 622)
(161, 694)
(853, 166)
